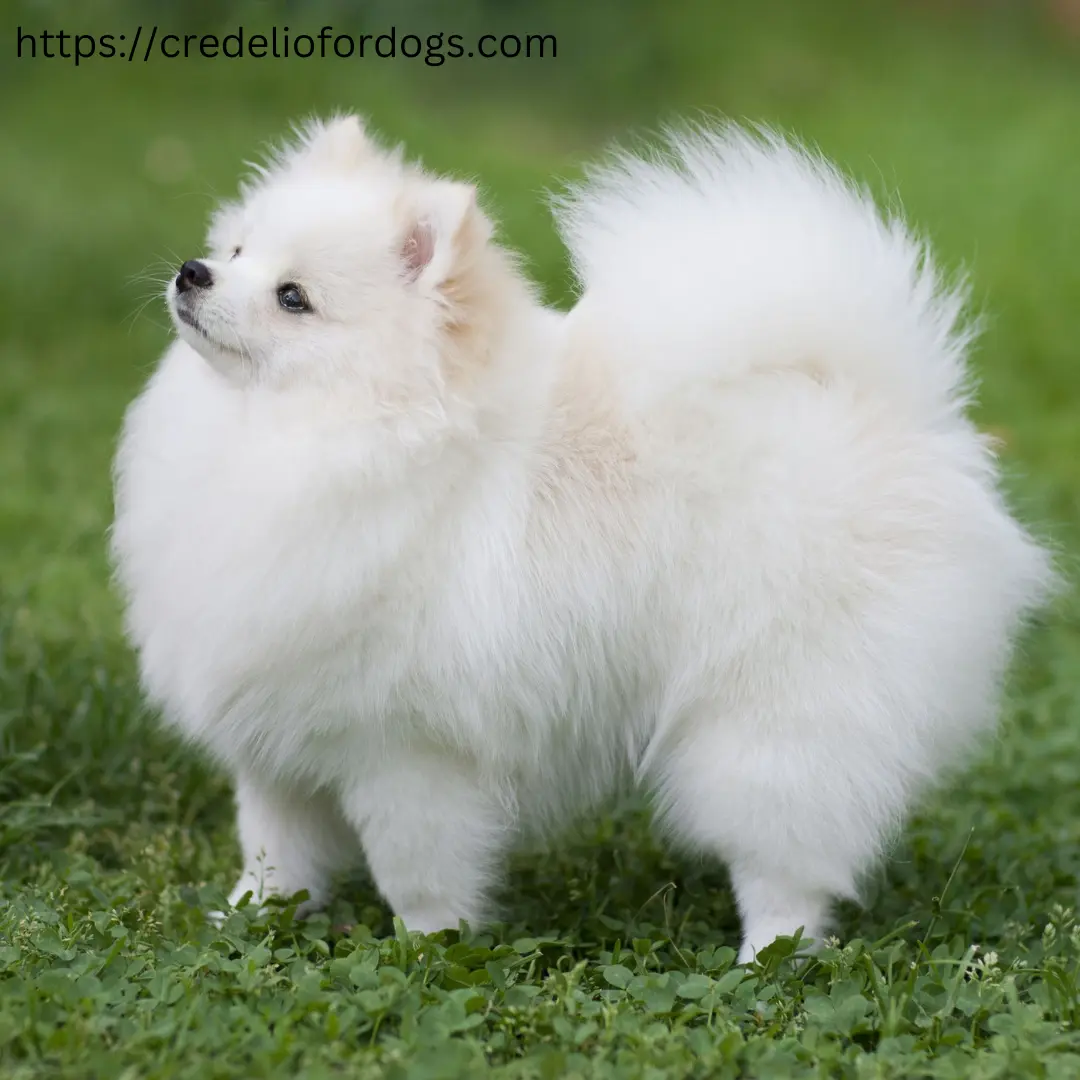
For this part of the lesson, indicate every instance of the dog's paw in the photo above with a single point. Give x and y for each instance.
(263, 905)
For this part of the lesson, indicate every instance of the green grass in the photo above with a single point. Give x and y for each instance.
(617, 959)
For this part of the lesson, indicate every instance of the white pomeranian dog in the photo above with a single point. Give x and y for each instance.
(428, 565)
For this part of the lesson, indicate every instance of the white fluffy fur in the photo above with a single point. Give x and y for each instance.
(432, 565)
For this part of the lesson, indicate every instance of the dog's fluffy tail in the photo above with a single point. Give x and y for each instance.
(728, 253)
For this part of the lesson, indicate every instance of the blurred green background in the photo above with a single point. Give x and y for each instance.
(967, 112)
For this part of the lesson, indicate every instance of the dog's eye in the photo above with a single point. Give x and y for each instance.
(236, 251)
(291, 298)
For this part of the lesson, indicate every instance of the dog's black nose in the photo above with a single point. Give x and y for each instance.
(193, 273)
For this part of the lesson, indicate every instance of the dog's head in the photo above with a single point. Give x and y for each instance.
(343, 265)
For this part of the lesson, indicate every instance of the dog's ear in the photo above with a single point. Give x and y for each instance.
(339, 143)
(445, 232)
